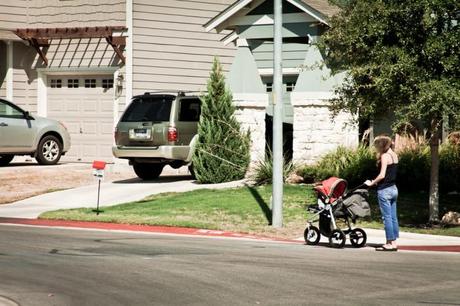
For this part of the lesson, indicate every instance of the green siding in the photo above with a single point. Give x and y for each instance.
(289, 30)
(293, 54)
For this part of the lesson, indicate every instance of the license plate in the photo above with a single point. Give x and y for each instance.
(140, 134)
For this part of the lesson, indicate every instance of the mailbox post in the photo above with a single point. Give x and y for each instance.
(98, 173)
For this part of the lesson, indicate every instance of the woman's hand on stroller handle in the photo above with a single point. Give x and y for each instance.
(368, 183)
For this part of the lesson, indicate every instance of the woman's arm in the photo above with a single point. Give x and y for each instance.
(383, 170)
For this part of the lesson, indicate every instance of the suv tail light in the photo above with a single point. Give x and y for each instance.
(172, 134)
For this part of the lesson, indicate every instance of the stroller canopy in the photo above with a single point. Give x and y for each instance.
(333, 188)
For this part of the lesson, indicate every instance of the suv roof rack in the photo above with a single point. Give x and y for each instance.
(178, 92)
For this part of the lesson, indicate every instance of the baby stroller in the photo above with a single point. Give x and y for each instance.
(334, 202)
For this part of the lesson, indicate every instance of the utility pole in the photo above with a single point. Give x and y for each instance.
(278, 159)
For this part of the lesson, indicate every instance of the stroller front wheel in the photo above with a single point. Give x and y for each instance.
(311, 235)
(337, 239)
(358, 238)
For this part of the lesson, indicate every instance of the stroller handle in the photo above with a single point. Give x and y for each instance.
(358, 187)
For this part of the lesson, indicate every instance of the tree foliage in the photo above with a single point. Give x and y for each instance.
(400, 56)
(222, 152)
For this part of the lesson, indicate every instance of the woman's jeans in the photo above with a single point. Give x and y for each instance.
(387, 202)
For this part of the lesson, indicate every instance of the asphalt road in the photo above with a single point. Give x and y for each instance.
(40, 266)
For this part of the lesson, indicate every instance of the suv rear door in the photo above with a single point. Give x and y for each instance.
(145, 121)
(188, 115)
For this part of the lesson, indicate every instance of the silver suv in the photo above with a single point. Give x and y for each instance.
(23, 134)
(157, 130)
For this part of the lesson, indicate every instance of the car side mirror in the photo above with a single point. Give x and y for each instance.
(28, 116)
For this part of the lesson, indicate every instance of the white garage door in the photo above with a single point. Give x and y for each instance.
(85, 105)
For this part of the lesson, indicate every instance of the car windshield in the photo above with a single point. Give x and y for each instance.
(156, 109)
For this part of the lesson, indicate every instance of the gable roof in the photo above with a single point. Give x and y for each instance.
(318, 9)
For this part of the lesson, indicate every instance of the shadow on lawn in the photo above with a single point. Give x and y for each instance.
(262, 204)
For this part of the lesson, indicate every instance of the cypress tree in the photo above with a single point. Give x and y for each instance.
(222, 152)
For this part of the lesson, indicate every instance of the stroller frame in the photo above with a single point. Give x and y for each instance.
(326, 203)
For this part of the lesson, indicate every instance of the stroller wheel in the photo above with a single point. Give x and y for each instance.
(312, 235)
(358, 238)
(337, 239)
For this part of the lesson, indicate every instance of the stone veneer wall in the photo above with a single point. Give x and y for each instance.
(250, 112)
(315, 132)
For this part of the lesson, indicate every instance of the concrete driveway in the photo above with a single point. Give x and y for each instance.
(112, 193)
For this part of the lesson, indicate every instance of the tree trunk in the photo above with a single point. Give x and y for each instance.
(434, 178)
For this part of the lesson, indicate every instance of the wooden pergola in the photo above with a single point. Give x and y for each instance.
(41, 37)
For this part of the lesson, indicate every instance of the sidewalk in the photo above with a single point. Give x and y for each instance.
(112, 193)
(409, 241)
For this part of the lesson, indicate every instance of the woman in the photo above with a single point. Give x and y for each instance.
(387, 191)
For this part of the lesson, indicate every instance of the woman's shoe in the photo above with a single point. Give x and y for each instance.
(384, 248)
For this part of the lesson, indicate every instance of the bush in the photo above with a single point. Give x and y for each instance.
(222, 152)
(354, 165)
(449, 168)
(413, 171)
(263, 172)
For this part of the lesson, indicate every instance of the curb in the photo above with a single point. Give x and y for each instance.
(189, 231)
(140, 228)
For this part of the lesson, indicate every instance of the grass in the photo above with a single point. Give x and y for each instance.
(246, 210)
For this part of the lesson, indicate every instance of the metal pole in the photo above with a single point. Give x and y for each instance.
(98, 193)
(278, 160)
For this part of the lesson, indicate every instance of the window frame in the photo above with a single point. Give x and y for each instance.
(15, 107)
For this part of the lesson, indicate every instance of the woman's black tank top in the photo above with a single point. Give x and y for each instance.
(390, 176)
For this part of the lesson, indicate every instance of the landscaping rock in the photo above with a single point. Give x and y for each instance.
(294, 179)
(451, 218)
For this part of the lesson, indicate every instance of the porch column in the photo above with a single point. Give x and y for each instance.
(9, 70)
(250, 112)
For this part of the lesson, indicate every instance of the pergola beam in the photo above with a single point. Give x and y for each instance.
(40, 37)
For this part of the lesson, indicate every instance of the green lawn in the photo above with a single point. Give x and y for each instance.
(246, 210)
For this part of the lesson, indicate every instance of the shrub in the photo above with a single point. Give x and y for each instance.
(354, 165)
(449, 168)
(222, 152)
(413, 171)
(263, 171)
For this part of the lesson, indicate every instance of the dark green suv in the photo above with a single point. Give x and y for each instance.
(157, 130)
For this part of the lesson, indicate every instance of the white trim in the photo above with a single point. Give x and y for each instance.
(78, 70)
(42, 93)
(269, 71)
(241, 42)
(304, 98)
(229, 38)
(269, 19)
(9, 70)
(225, 16)
(129, 53)
(304, 7)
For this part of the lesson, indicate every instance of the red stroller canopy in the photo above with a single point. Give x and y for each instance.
(333, 188)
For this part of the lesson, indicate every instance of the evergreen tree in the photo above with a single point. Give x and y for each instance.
(222, 152)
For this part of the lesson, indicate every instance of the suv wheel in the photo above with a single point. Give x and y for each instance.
(5, 159)
(49, 151)
(148, 171)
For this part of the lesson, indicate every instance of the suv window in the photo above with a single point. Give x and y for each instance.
(148, 109)
(190, 110)
(8, 111)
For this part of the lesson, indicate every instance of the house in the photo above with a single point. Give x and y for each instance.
(80, 61)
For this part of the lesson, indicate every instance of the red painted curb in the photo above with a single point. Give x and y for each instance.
(139, 228)
(433, 248)
(188, 231)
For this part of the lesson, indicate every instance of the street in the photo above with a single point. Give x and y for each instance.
(42, 266)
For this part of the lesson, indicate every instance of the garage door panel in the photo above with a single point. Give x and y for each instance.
(87, 113)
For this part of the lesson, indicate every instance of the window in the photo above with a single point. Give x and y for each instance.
(269, 87)
(72, 83)
(8, 111)
(190, 110)
(107, 83)
(90, 83)
(56, 83)
(290, 86)
(148, 109)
